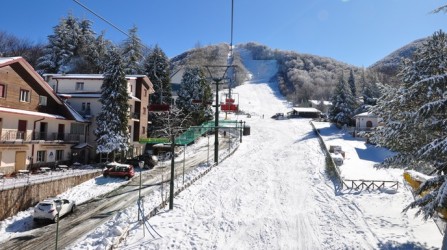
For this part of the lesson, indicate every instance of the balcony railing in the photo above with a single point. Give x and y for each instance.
(14, 135)
(135, 115)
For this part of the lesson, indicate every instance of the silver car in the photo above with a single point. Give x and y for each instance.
(47, 210)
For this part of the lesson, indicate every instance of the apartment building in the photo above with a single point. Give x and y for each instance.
(83, 91)
(37, 128)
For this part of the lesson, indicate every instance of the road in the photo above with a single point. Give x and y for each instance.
(89, 215)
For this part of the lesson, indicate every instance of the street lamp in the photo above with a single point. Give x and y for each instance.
(58, 209)
(141, 165)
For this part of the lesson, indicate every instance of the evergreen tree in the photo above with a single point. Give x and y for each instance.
(67, 47)
(132, 51)
(195, 95)
(157, 68)
(343, 104)
(351, 82)
(415, 121)
(112, 133)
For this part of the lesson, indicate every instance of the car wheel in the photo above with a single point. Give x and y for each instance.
(73, 208)
(126, 177)
(105, 176)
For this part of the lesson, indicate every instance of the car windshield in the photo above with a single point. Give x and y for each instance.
(45, 205)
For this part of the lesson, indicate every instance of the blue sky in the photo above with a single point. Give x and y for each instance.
(358, 32)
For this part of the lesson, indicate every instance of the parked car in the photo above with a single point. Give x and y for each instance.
(149, 161)
(115, 169)
(46, 209)
(279, 116)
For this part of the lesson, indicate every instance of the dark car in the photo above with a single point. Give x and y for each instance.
(115, 169)
(149, 161)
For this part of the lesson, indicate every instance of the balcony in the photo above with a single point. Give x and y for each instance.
(135, 116)
(12, 135)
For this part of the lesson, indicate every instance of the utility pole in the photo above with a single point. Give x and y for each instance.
(216, 113)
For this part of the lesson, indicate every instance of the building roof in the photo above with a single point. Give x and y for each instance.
(31, 113)
(366, 114)
(19, 64)
(306, 110)
(15, 62)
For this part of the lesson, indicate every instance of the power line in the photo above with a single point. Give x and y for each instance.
(102, 18)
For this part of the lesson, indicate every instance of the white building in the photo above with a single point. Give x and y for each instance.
(366, 121)
(83, 91)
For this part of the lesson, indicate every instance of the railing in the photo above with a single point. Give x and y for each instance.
(370, 184)
(14, 135)
(135, 116)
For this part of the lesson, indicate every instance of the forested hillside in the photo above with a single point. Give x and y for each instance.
(390, 66)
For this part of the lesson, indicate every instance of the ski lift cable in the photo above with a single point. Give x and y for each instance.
(107, 21)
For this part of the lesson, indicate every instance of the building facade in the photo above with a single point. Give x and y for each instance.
(37, 129)
(83, 91)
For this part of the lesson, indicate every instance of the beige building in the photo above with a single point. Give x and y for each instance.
(37, 128)
(82, 92)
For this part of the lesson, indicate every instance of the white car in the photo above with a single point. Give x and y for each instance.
(46, 209)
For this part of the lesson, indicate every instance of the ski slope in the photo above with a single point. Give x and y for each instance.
(273, 193)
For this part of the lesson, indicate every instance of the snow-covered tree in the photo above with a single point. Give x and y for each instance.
(67, 47)
(156, 67)
(415, 121)
(195, 95)
(351, 83)
(132, 51)
(343, 104)
(112, 120)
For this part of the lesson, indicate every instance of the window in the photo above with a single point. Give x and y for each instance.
(42, 100)
(77, 128)
(144, 111)
(59, 155)
(24, 95)
(79, 86)
(41, 156)
(143, 130)
(2, 90)
(145, 92)
(83, 106)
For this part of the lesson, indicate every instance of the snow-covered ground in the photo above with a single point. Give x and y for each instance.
(274, 193)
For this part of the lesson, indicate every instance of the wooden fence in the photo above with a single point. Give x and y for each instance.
(370, 184)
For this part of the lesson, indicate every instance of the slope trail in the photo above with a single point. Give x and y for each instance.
(272, 193)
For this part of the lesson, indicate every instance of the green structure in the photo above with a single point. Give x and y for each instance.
(195, 132)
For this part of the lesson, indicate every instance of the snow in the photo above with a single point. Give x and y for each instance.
(272, 193)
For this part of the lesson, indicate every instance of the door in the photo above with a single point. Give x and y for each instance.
(1, 126)
(21, 130)
(20, 160)
(43, 131)
(60, 132)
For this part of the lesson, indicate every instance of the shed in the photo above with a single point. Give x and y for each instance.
(366, 121)
(304, 112)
